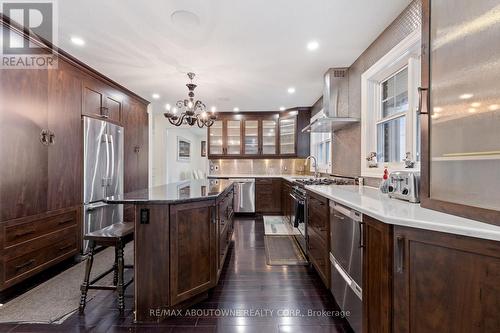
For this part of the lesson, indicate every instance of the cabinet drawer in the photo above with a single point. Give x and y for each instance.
(31, 260)
(28, 229)
(318, 254)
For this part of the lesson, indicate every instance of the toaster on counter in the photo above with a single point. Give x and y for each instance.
(404, 185)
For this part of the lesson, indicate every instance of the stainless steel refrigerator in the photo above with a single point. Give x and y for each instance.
(103, 173)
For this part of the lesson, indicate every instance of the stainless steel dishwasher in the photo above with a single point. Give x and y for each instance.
(346, 258)
(244, 195)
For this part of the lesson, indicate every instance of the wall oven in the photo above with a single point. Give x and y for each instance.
(299, 216)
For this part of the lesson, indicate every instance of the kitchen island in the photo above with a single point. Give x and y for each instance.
(182, 235)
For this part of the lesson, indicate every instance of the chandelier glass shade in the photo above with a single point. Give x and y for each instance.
(189, 111)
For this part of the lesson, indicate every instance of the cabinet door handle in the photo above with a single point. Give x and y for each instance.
(26, 264)
(400, 250)
(52, 138)
(420, 100)
(44, 137)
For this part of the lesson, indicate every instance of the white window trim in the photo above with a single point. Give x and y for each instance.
(407, 52)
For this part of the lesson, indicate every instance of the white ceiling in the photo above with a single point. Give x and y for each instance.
(245, 53)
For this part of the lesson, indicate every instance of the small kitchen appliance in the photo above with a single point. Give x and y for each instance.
(405, 185)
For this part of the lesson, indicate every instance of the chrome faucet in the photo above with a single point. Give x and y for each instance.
(315, 165)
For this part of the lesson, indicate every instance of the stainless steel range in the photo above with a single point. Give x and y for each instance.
(299, 209)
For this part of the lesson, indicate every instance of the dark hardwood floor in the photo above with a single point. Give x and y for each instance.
(246, 283)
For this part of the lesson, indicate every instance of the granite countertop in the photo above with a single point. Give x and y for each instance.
(185, 191)
(372, 202)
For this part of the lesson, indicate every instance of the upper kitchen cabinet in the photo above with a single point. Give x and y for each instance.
(102, 101)
(460, 110)
(233, 137)
(259, 135)
(216, 138)
(292, 141)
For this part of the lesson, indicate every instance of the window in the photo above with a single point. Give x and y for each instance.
(389, 123)
(321, 148)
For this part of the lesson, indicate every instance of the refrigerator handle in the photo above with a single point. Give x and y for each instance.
(112, 154)
(106, 179)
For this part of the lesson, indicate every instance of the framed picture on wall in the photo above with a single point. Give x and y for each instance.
(183, 149)
(203, 148)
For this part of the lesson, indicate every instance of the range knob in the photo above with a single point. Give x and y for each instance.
(405, 191)
(391, 188)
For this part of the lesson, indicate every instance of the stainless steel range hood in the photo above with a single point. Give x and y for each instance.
(335, 113)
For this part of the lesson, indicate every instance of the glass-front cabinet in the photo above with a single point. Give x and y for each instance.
(461, 109)
(216, 141)
(269, 137)
(254, 135)
(233, 137)
(287, 135)
(251, 137)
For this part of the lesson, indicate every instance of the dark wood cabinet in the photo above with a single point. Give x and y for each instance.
(42, 159)
(225, 228)
(259, 135)
(268, 195)
(287, 201)
(32, 244)
(445, 283)
(65, 156)
(193, 260)
(377, 276)
(24, 162)
(102, 101)
(318, 235)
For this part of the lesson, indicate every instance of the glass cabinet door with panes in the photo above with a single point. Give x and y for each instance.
(288, 130)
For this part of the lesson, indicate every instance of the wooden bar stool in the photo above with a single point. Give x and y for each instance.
(116, 235)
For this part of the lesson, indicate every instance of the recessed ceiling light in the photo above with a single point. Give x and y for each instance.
(475, 105)
(291, 90)
(493, 107)
(466, 96)
(282, 108)
(312, 45)
(155, 96)
(213, 109)
(77, 41)
(236, 109)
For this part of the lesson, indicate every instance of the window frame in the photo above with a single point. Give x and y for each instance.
(405, 54)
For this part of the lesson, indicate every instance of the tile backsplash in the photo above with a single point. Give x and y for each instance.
(292, 166)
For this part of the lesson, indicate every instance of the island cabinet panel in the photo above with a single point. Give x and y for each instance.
(193, 264)
(377, 276)
(152, 261)
(318, 235)
(268, 195)
(445, 283)
(225, 227)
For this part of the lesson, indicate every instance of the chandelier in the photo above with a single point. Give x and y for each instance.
(190, 112)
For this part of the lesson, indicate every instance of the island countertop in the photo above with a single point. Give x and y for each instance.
(179, 192)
